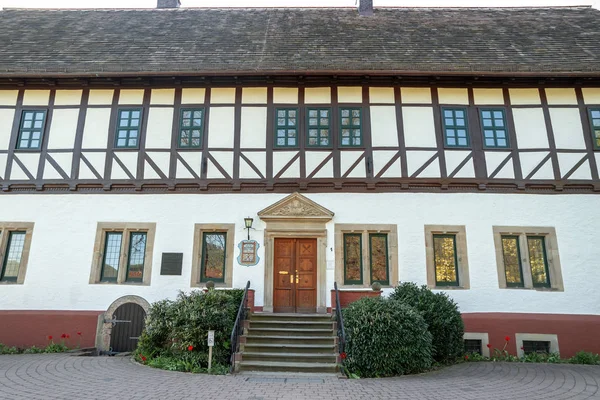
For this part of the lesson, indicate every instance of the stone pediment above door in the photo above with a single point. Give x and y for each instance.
(296, 207)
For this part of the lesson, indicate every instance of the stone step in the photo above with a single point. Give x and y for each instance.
(288, 366)
(290, 348)
(276, 339)
(290, 357)
(267, 323)
(281, 331)
(290, 317)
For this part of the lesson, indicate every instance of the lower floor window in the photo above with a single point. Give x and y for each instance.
(15, 240)
(114, 256)
(527, 257)
(13, 257)
(125, 253)
(214, 247)
(366, 254)
(444, 250)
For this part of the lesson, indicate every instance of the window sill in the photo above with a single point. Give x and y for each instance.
(10, 283)
(539, 289)
(217, 285)
(361, 288)
(449, 288)
(121, 283)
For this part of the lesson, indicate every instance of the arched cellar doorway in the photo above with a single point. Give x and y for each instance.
(112, 322)
(128, 323)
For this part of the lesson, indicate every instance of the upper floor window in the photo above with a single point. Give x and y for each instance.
(495, 131)
(286, 127)
(32, 129)
(527, 258)
(123, 253)
(595, 120)
(319, 122)
(351, 127)
(15, 241)
(190, 128)
(455, 127)
(129, 125)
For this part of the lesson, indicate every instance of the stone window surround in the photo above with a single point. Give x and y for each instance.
(461, 256)
(554, 268)
(546, 337)
(485, 339)
(199, 230)
(126, 228)
(6, 227)
(365, 229)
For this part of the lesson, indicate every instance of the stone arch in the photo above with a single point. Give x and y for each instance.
(105, 328)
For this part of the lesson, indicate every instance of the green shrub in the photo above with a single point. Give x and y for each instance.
(173, 326)
(441, 315)
(552, 358)
(8, 350)
(33, 350)
(385, 338)
(585, 357)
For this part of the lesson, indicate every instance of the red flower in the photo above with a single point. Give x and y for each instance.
(68, 336)
(190, 348)
(143, 359)
(63, 336)
(489, 346)
(522, 348)
(466, 357)
(343, 356)
(507, 338)
(79, 333)
(50, 337)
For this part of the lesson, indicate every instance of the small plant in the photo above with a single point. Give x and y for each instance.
(56, 348)
(475, 357)
(8, 350)
(585, 357)
(33, 350)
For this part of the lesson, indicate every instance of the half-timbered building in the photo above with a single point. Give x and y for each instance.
(453, 147)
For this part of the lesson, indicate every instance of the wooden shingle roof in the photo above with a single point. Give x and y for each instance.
(260, 41)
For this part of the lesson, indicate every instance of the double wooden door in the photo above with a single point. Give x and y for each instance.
(295, 267)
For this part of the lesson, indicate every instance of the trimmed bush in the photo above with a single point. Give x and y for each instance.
(177, 330)
(441, 315)
(385, 338)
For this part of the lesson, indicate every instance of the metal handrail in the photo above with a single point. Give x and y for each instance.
(341, 333)
(238, 326)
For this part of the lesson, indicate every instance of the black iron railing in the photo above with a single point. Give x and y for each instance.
(238, 327)
(341, 333)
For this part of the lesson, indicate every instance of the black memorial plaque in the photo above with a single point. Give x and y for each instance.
(171, 263)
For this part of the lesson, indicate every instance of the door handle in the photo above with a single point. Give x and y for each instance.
(291, 279)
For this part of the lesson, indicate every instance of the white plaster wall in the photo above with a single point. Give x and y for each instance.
(8, 97)
(131, 96)
(68, 97)
(160, 127)
(36, 97)
(419, 128)
(6, 121)
(568, 131)
(384, 131)
(254, 96)
(63, 239)
(220, 127)
(63, 129)
(317, 95)
(253, 127)
(101, 97)
(95, 130)
(530, 128)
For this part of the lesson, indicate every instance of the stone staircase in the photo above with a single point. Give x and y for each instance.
(289, 343)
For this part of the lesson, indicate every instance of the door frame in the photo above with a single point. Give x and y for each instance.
(296, 216)
(104, 328)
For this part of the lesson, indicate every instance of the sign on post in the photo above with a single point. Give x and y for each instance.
(211, 343)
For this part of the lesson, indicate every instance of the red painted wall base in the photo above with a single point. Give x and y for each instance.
(28, 328)
(575, 332)
(348, 296)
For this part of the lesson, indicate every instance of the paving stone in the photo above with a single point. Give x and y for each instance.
(62, 376)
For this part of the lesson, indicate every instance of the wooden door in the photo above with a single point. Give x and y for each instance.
(128, 323)
(295, 277)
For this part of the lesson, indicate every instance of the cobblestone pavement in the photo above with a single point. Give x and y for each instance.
(62, 376)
